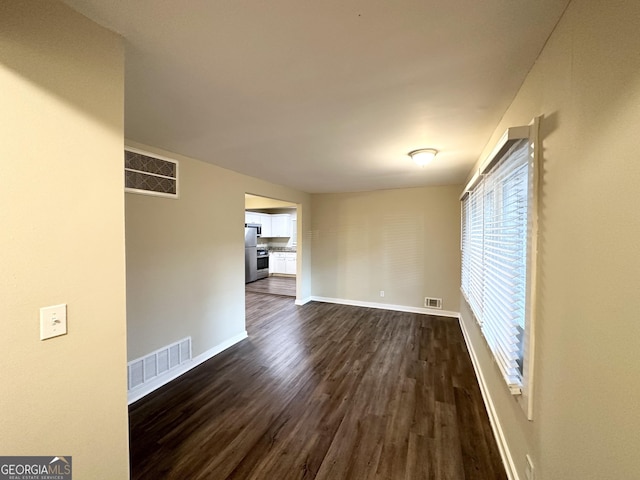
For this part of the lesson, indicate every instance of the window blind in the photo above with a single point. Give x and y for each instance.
(495, 227)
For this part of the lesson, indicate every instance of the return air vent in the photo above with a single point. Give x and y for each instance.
(432, 302)
(150, 175)
(142, 370)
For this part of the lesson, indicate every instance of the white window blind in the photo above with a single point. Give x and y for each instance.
(475, 248)
(495, 233)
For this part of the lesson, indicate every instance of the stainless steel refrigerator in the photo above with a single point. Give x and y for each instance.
(250, 254)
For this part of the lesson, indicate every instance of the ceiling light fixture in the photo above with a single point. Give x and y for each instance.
(423, 155)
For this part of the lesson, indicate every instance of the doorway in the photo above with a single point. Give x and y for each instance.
(277, 242)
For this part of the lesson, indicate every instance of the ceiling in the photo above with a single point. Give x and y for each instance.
(325, 96)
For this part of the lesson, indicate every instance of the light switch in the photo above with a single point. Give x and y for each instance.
(53, 321)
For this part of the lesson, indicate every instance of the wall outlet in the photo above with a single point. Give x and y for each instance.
(382, 293)
(528, 468)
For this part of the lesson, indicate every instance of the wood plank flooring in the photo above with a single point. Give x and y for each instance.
(275, 285)
(322, 392)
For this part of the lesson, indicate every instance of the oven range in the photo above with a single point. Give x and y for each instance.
(262, 264)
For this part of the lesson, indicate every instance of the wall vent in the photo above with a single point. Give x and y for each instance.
(143, 370)
(150, 174)
(432, 302)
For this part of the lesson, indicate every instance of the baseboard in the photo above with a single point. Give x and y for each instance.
(146, 388)
(386, 306)
(498, 432)
(304, 301)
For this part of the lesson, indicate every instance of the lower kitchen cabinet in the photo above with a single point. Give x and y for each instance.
(283, 263)
(280, 266)
(290, 264)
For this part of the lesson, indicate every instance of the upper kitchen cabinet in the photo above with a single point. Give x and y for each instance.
(263, 219)
(294, 232)
(281, 225)
(251, 217)
(267, 224)
(273, 225)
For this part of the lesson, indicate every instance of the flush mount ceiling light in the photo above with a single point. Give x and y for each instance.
(423, 155)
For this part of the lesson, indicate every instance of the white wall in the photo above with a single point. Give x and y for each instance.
(62, 217)
(586, 84)
(404, 241)
(185, 257)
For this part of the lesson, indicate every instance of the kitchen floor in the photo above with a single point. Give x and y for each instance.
(274, 285)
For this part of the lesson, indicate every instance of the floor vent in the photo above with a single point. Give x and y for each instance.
(433, 302)
(142, 370)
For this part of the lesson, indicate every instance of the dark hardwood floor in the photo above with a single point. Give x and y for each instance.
(275, 285)
(322, 392)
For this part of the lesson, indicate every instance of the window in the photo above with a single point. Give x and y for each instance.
(497, 231)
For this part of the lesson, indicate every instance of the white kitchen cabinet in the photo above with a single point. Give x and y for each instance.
(281, 225)
(251, 217)
(294, 233)
(265, 221)
(273, 226)
(272, 263)
(280, 263)
(284, 263)
(290, 264)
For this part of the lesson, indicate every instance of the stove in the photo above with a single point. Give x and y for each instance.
(262, 269)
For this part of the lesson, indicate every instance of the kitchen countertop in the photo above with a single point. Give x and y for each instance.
(282, 249)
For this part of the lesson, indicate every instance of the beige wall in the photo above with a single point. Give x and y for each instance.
(405, 242)
(62, 217)
(586, 84)
(185, 257)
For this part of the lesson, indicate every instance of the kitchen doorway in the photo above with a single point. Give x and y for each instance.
(273, 224)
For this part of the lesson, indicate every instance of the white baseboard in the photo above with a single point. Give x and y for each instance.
(146, 388)
(498, 432)
(386, 306)
(304, 301)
